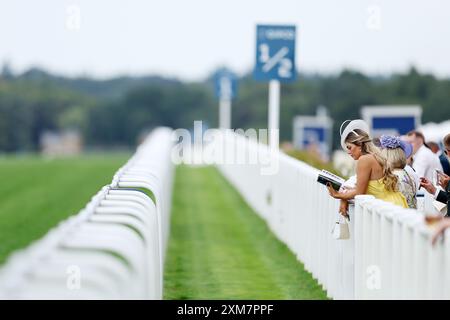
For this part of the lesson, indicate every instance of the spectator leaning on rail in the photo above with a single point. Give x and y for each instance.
(396, 152)
(440, 229)
(373, 176)
(408, 167)
(440, 195)
(425, 162)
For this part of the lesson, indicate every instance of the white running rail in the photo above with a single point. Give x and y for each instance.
(389, 254)
(114, 248)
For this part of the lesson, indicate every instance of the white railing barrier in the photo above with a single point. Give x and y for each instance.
(112, 249)
(394, 255)
(386, 241)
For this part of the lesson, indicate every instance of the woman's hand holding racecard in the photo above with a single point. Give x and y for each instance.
(335, 194)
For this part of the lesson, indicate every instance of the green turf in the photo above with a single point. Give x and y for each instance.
(37, 193)
(220, 249)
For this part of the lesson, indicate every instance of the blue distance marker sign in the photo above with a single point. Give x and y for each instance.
(313, 131)
(313, 135)
(401, 125)
(393, 120)
(225, 84)
(275, 53)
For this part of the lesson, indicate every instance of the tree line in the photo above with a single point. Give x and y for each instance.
(115, 112)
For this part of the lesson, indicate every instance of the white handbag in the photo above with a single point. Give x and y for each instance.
(341, 230)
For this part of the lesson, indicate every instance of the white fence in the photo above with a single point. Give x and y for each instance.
(389, 253)
(112, 249)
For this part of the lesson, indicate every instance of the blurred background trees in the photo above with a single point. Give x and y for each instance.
(114, 112)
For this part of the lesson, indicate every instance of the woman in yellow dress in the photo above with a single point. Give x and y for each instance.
(373, 175)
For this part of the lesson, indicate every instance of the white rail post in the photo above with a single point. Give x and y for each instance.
(359, 245)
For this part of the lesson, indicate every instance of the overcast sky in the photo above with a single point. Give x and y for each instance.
(189, 38)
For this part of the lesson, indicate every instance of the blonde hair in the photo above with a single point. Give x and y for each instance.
(395, 157)
(361, 139)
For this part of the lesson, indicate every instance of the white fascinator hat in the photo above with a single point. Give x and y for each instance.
(351, 127)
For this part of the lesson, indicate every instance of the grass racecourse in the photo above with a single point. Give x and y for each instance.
(37, 193)
(220, 249)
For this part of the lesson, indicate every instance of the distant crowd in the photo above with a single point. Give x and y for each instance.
(396, 169)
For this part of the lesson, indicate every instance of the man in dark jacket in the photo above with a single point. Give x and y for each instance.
(440, 195)
(442, 158)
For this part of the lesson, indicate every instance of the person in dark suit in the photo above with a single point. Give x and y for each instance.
(442, 158)
(440, 195)
(445, 164)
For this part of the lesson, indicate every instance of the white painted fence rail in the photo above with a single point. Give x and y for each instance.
(114, 248)
(389, 253)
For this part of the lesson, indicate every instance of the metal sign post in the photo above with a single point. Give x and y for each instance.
(274, 113)
(224, 113)
(275, 62)
(225, 84)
